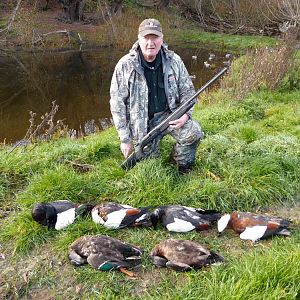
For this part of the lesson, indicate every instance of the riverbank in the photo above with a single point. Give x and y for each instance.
(46, 29)
(248, 161)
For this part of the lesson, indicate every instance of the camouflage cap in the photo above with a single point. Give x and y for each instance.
(150, 26)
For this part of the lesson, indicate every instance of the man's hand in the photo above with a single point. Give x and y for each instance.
(126, 149)
(176, 124)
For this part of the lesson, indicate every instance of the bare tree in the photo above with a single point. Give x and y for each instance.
(12, 18)
(242, 16)
(286, 12)
(73, 9)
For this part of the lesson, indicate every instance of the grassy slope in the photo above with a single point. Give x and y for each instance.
(249, 160)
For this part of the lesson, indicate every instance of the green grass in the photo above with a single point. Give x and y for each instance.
(226, 41)
(249, 160)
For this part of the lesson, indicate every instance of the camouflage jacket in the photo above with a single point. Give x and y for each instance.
(129, 92)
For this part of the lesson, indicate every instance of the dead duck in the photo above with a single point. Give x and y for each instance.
(183, 255)
(179, 218)
(114, 215)
(58, 214)
(254, 227)
(105, 253)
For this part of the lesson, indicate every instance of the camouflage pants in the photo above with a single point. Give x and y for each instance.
(187, 140)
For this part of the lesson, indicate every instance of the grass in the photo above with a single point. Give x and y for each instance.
(248, 161)
(228, 42)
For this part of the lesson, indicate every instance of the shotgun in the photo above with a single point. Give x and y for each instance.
(138, 154)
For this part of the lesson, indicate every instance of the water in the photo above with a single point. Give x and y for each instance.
(78, 81)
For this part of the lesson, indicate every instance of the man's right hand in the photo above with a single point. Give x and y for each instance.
(126, 149)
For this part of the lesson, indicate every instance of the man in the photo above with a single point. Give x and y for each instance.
(148, 84)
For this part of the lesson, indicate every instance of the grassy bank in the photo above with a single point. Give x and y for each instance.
(249, 160)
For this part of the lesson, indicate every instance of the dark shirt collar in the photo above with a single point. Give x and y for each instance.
(152, 64)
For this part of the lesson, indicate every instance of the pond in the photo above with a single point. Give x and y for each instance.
(78, 82)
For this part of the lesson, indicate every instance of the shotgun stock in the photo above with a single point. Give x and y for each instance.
(138, 154)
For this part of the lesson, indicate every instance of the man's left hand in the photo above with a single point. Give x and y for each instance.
(176, 124)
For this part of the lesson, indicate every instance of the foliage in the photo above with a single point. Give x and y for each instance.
(262, 68)
(292, 79)
(243, 17)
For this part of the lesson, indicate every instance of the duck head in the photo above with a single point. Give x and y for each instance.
(44, 214)
(51, 217)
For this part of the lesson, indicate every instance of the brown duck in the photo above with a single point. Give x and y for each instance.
(254, 227)
(105, 253)
(183, 255)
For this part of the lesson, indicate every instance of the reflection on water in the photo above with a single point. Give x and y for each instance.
(79, 83)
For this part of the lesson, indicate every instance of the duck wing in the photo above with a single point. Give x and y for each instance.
(62, 205)
(181, 255)
(86, 246)
(136, 217)
(183, 219)
(210, 215)
(110, 261)
(113, 215)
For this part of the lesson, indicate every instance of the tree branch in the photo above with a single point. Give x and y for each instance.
(12, 18)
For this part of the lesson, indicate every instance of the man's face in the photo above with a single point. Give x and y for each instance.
(150, 46)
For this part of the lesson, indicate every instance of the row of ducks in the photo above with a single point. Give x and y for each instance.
(176, 218)
(107, 253)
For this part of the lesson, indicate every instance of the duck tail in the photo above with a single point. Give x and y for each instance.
(284, 232)
(158, 261)
(210, 215)
(156, 216)
(215, 258)
(285, 223)
(84, 209)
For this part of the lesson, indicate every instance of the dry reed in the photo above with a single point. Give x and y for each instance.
(261, 68)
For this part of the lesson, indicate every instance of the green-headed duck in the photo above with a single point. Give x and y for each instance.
(105, 253)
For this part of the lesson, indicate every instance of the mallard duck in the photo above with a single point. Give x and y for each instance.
(105, 253)
(58, 214)
(254, 227)
(179, 218)
(114, 215)
(182, 255)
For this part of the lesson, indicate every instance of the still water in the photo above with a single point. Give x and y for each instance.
(78, 81)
